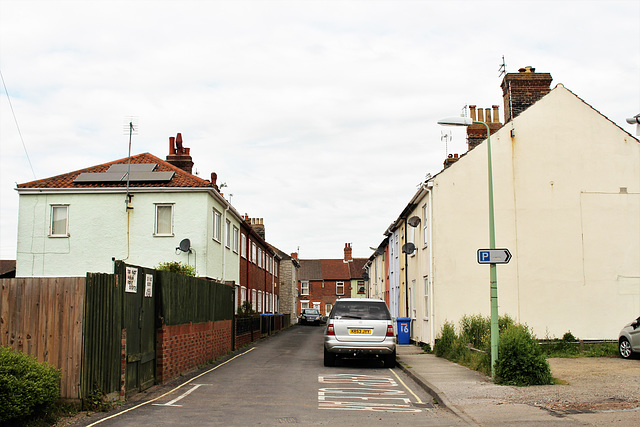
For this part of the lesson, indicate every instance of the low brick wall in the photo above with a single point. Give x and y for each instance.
(181, 348)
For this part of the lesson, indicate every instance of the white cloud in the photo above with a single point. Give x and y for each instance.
(319, 115)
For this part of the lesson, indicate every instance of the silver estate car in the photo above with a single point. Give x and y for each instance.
(360, 327)
(629, 339)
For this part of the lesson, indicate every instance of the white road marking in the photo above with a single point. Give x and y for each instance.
(370, 396)
(182, 396)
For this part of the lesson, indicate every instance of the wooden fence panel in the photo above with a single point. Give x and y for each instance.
(43, 317)
(102, 334)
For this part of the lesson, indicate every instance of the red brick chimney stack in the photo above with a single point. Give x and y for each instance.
(522, 89)
(476, 133)
(347, 252)
(178, 155)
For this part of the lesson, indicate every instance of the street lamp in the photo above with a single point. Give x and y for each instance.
(493, 277)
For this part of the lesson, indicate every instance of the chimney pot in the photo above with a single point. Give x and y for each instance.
(472, 111)
(214, 178)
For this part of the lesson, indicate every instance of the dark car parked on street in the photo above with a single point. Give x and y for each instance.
(309, 316)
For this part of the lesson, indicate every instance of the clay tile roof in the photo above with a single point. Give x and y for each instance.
(180, 178)
(357, 267)
(335, 269)
(310, 269)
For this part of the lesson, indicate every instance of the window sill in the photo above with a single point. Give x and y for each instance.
(58, 236)
(164, 235)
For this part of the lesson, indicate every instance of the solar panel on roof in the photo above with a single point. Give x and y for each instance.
(100, 177)
(135, 167)
(150, 176)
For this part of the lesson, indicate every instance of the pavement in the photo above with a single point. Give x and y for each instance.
(476, 400)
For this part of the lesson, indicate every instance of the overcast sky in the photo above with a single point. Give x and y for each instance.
(320, 116)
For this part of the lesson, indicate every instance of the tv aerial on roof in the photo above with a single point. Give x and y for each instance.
(131, 128)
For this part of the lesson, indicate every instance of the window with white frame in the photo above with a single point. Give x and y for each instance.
(243, 245)
(236, 233)
(254, 298)
(426, 297)
(217, 225)
(164, 220)
(243, 294)
(259, 301)
(304, 304)
(227, 234)
(327, 309)
(425, 235)
(339, 288)
(254, 252)
(59, 221)
(361, 287)
(260, 257)
(316, 305)
(304, 288)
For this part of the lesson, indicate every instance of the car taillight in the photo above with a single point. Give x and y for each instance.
(390, 330)
(330, 330)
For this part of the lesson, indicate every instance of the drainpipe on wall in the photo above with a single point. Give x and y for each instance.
(432, 340)
(406, 271)
(224, 239)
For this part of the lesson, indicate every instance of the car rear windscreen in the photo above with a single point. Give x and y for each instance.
(367, 310)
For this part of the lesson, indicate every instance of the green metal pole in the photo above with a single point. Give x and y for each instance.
(493, 276)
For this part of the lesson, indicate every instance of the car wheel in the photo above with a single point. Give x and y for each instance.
(329, 358)
(389, 360)
(624, 347)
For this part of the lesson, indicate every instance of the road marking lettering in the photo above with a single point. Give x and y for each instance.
(369, 396)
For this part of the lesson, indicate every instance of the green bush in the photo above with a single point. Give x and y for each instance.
(444, 344)
(177, 267)
(27, 387)
(520, 361)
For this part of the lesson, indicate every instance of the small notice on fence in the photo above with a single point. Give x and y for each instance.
(148, 285)
(132, 280)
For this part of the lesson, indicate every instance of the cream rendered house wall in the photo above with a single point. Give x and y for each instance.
(567, 206)
(98, 232)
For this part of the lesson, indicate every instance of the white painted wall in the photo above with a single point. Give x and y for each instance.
(567, 206)
(98, 232)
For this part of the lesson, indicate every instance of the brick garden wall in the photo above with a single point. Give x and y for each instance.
(181, 348)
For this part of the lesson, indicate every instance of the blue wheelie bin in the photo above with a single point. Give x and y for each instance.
(404, 330)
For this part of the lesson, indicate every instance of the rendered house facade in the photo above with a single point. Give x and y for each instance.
(82, 221)
(566, 183)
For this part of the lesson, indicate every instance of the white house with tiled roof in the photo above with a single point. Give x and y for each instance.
(138, 210)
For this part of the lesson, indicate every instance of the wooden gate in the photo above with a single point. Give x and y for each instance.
(139, 323)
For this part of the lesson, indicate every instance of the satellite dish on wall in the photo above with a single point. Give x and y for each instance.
(408, 248)
(185, 245)
(414, 221)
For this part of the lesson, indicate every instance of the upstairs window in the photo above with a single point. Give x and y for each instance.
(217, 225)
(243, 245)
(340, 288)
(304, 288)
(227, 234)
(59, 221)
(236, 233)
(164, 220)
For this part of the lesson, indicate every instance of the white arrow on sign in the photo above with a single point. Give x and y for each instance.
(493, 256)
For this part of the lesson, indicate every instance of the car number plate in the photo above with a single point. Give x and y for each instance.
(360, 331)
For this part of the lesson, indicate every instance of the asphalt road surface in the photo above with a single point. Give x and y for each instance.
(282, 380)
